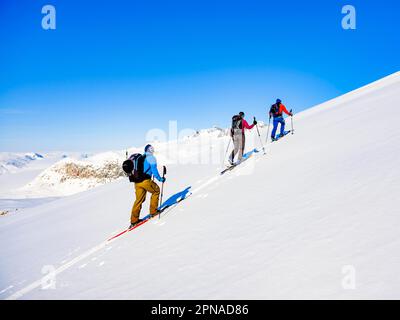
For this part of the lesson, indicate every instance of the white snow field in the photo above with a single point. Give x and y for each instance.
(317, 217)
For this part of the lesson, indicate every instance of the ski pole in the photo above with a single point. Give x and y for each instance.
(258, 131)
(291, 120)
(269, 124)
(162, 188)
(227, 148)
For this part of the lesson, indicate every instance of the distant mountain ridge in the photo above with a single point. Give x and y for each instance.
(9, 162)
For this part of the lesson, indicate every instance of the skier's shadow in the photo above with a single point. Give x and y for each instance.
(175, 199)
(248, 154)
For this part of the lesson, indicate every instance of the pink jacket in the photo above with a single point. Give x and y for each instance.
(245, 125)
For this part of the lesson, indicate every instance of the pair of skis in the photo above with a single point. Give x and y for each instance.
(142, 222)
(281, 136)
(148, 218)
(245, 157)
(249, 154)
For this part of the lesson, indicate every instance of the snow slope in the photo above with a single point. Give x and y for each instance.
(290, 224)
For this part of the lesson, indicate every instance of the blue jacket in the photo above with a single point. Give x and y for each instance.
(150, 166)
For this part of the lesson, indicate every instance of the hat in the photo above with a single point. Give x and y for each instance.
(149, 148)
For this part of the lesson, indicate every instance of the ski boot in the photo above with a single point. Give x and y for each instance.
(152, 215)
(132, 225)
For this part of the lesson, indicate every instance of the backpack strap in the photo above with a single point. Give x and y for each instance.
(145, 172)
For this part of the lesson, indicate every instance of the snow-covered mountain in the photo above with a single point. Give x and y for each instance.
(11, 162)
(316, 217)
(18, 170)
(69, 175)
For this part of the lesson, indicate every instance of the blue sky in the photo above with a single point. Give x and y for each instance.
(112, 70)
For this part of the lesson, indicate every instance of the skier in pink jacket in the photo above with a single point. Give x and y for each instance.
(239, 124)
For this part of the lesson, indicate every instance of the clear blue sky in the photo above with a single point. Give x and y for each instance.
(114, 69)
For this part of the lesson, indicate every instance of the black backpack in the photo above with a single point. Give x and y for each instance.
(275, 110)
(236, 123)
(134, 167)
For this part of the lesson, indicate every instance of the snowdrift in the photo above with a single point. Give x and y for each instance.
(316, 217)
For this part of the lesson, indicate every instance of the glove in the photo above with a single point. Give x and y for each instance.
(163, 179)
(255, 122)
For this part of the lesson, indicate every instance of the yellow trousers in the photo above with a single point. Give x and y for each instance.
(141, 189)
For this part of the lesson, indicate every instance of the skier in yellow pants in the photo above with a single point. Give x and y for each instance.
(147, 185)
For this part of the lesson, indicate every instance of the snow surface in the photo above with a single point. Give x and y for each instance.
(288, 224)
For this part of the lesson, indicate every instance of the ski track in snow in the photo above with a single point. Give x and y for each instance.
(6, 289)
(38, 283)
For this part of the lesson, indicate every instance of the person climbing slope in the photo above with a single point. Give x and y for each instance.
(239, 124)
(147, 185)
(276, 111)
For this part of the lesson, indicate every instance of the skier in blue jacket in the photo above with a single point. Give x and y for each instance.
(147, 185)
